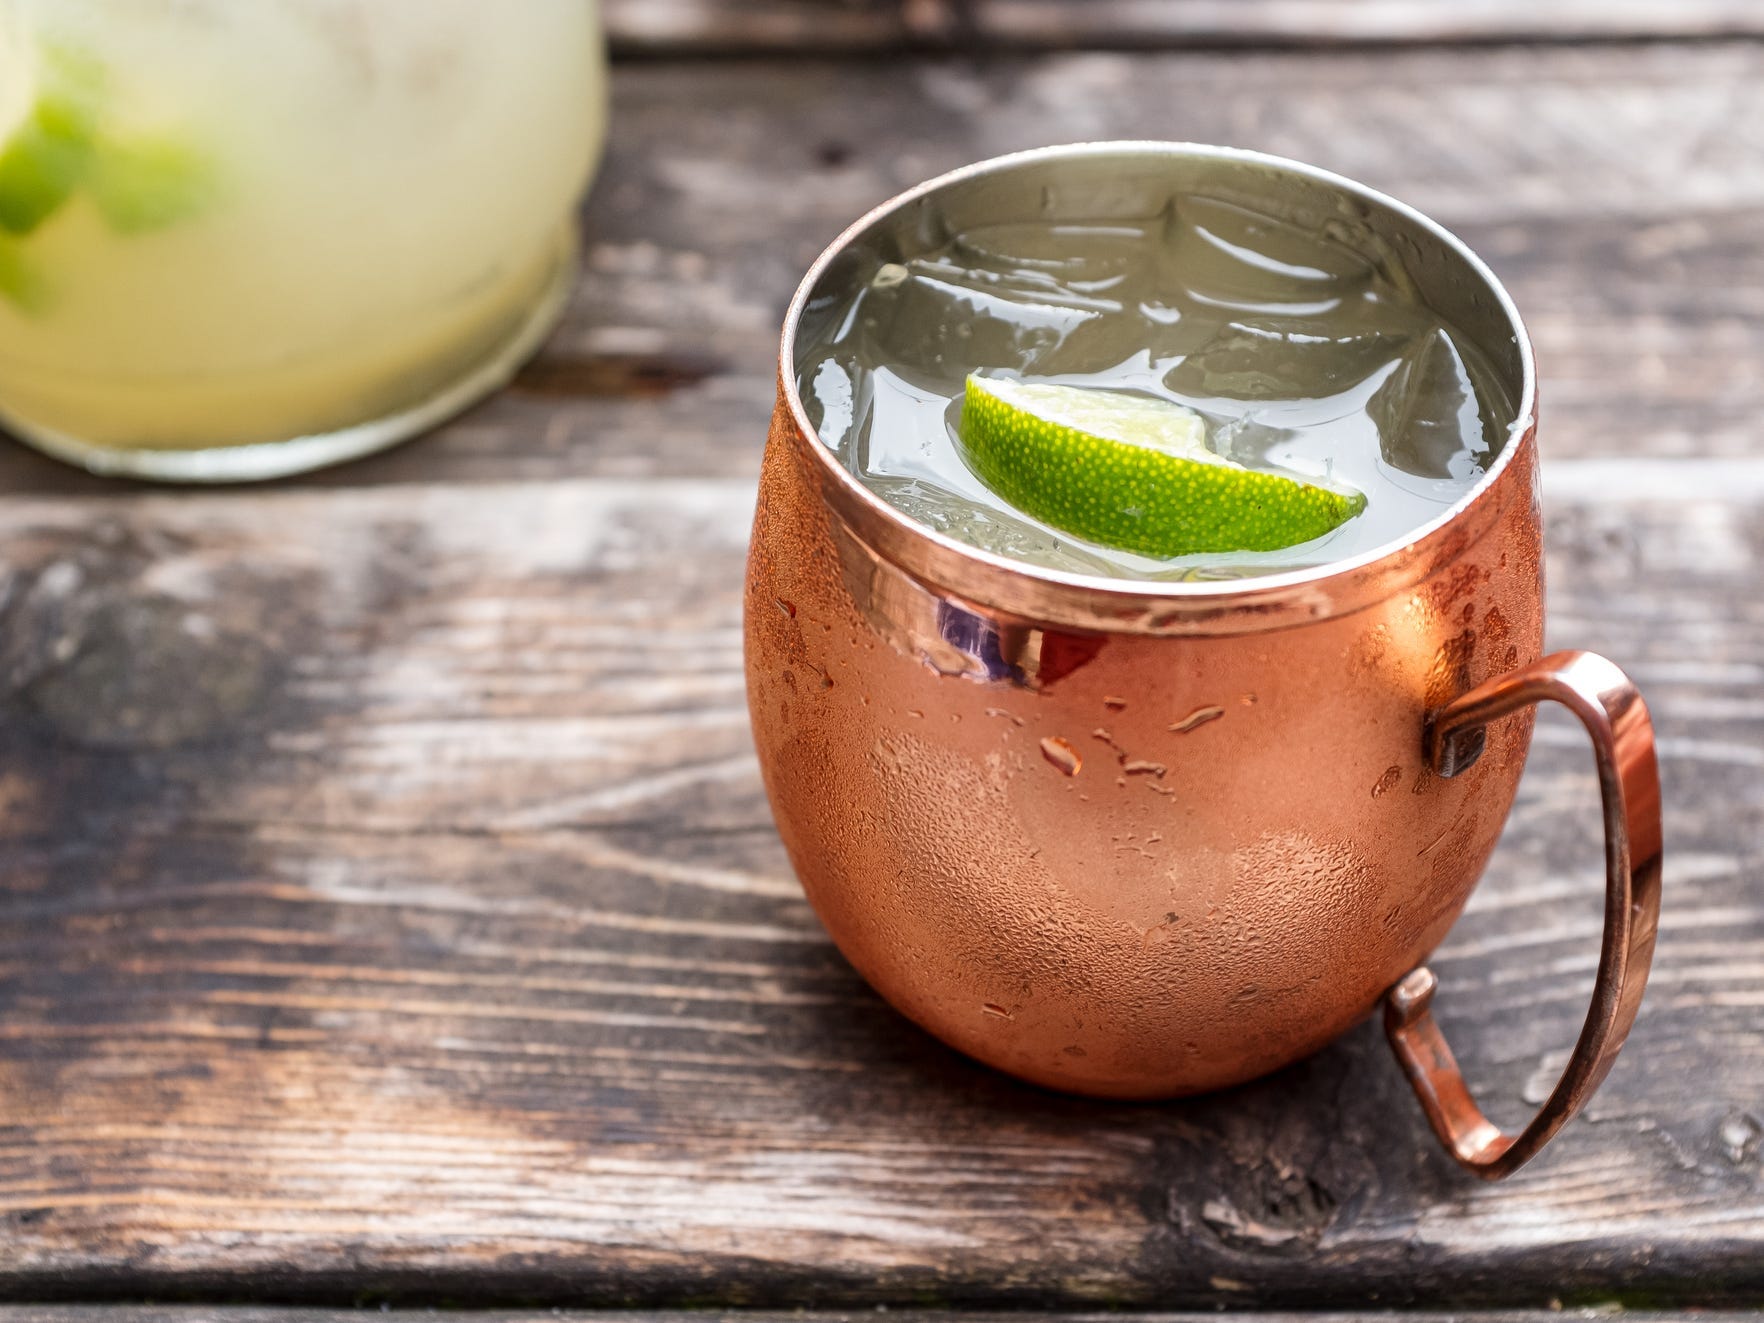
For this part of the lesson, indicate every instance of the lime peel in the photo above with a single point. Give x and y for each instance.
(1133, 472)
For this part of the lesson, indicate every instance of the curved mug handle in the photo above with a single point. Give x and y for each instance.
(1612, 710)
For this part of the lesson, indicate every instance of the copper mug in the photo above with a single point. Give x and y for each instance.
(1140, 840)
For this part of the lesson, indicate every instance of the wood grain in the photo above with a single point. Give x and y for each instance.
(674, 27)
(677, 27)
(1619, 191)
(1136, 24)
(133, 1313)
(390, 909)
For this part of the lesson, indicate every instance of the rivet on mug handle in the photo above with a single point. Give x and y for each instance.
(1612, 710)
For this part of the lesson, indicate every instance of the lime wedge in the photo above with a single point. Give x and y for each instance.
(42, 161)
(1133, 472)
(44, 154)
(145, 184)
(21, 284)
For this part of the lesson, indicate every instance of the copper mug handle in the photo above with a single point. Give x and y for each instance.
(1612, 710)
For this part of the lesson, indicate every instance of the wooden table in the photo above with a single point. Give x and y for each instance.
(390, 910)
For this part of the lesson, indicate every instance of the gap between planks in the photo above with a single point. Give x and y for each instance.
(676, 28)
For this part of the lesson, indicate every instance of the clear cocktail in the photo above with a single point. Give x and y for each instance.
(1203, 327)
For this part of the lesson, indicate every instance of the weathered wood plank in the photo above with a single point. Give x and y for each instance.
(1620, 191)
(674, 27)
(677, 27)
(1136, 24)
(134, 1313)
(389, 908)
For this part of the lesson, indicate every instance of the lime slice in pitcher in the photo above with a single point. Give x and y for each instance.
(45, 152)
(145, 184)
(1133, 472)
(42, 161)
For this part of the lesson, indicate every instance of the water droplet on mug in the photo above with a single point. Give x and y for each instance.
(1197, 718)
(1062, 755)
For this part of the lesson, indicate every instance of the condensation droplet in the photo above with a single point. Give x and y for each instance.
(1062, 755)
(1388, 781)
(1738, 1134)
(1197, 718)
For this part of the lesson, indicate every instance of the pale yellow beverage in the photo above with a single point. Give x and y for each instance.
(239, 238)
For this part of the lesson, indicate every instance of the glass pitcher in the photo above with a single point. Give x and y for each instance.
(244, 238)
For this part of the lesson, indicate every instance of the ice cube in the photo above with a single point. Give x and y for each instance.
(1082, 257)
(830, 398)
(903, 433)
(937, 317)
(988, 529)
(1221, 254)
(1283, 359)
(1251, 441)
(1430, 423)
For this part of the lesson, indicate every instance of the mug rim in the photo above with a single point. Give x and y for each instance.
(1210, 595)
